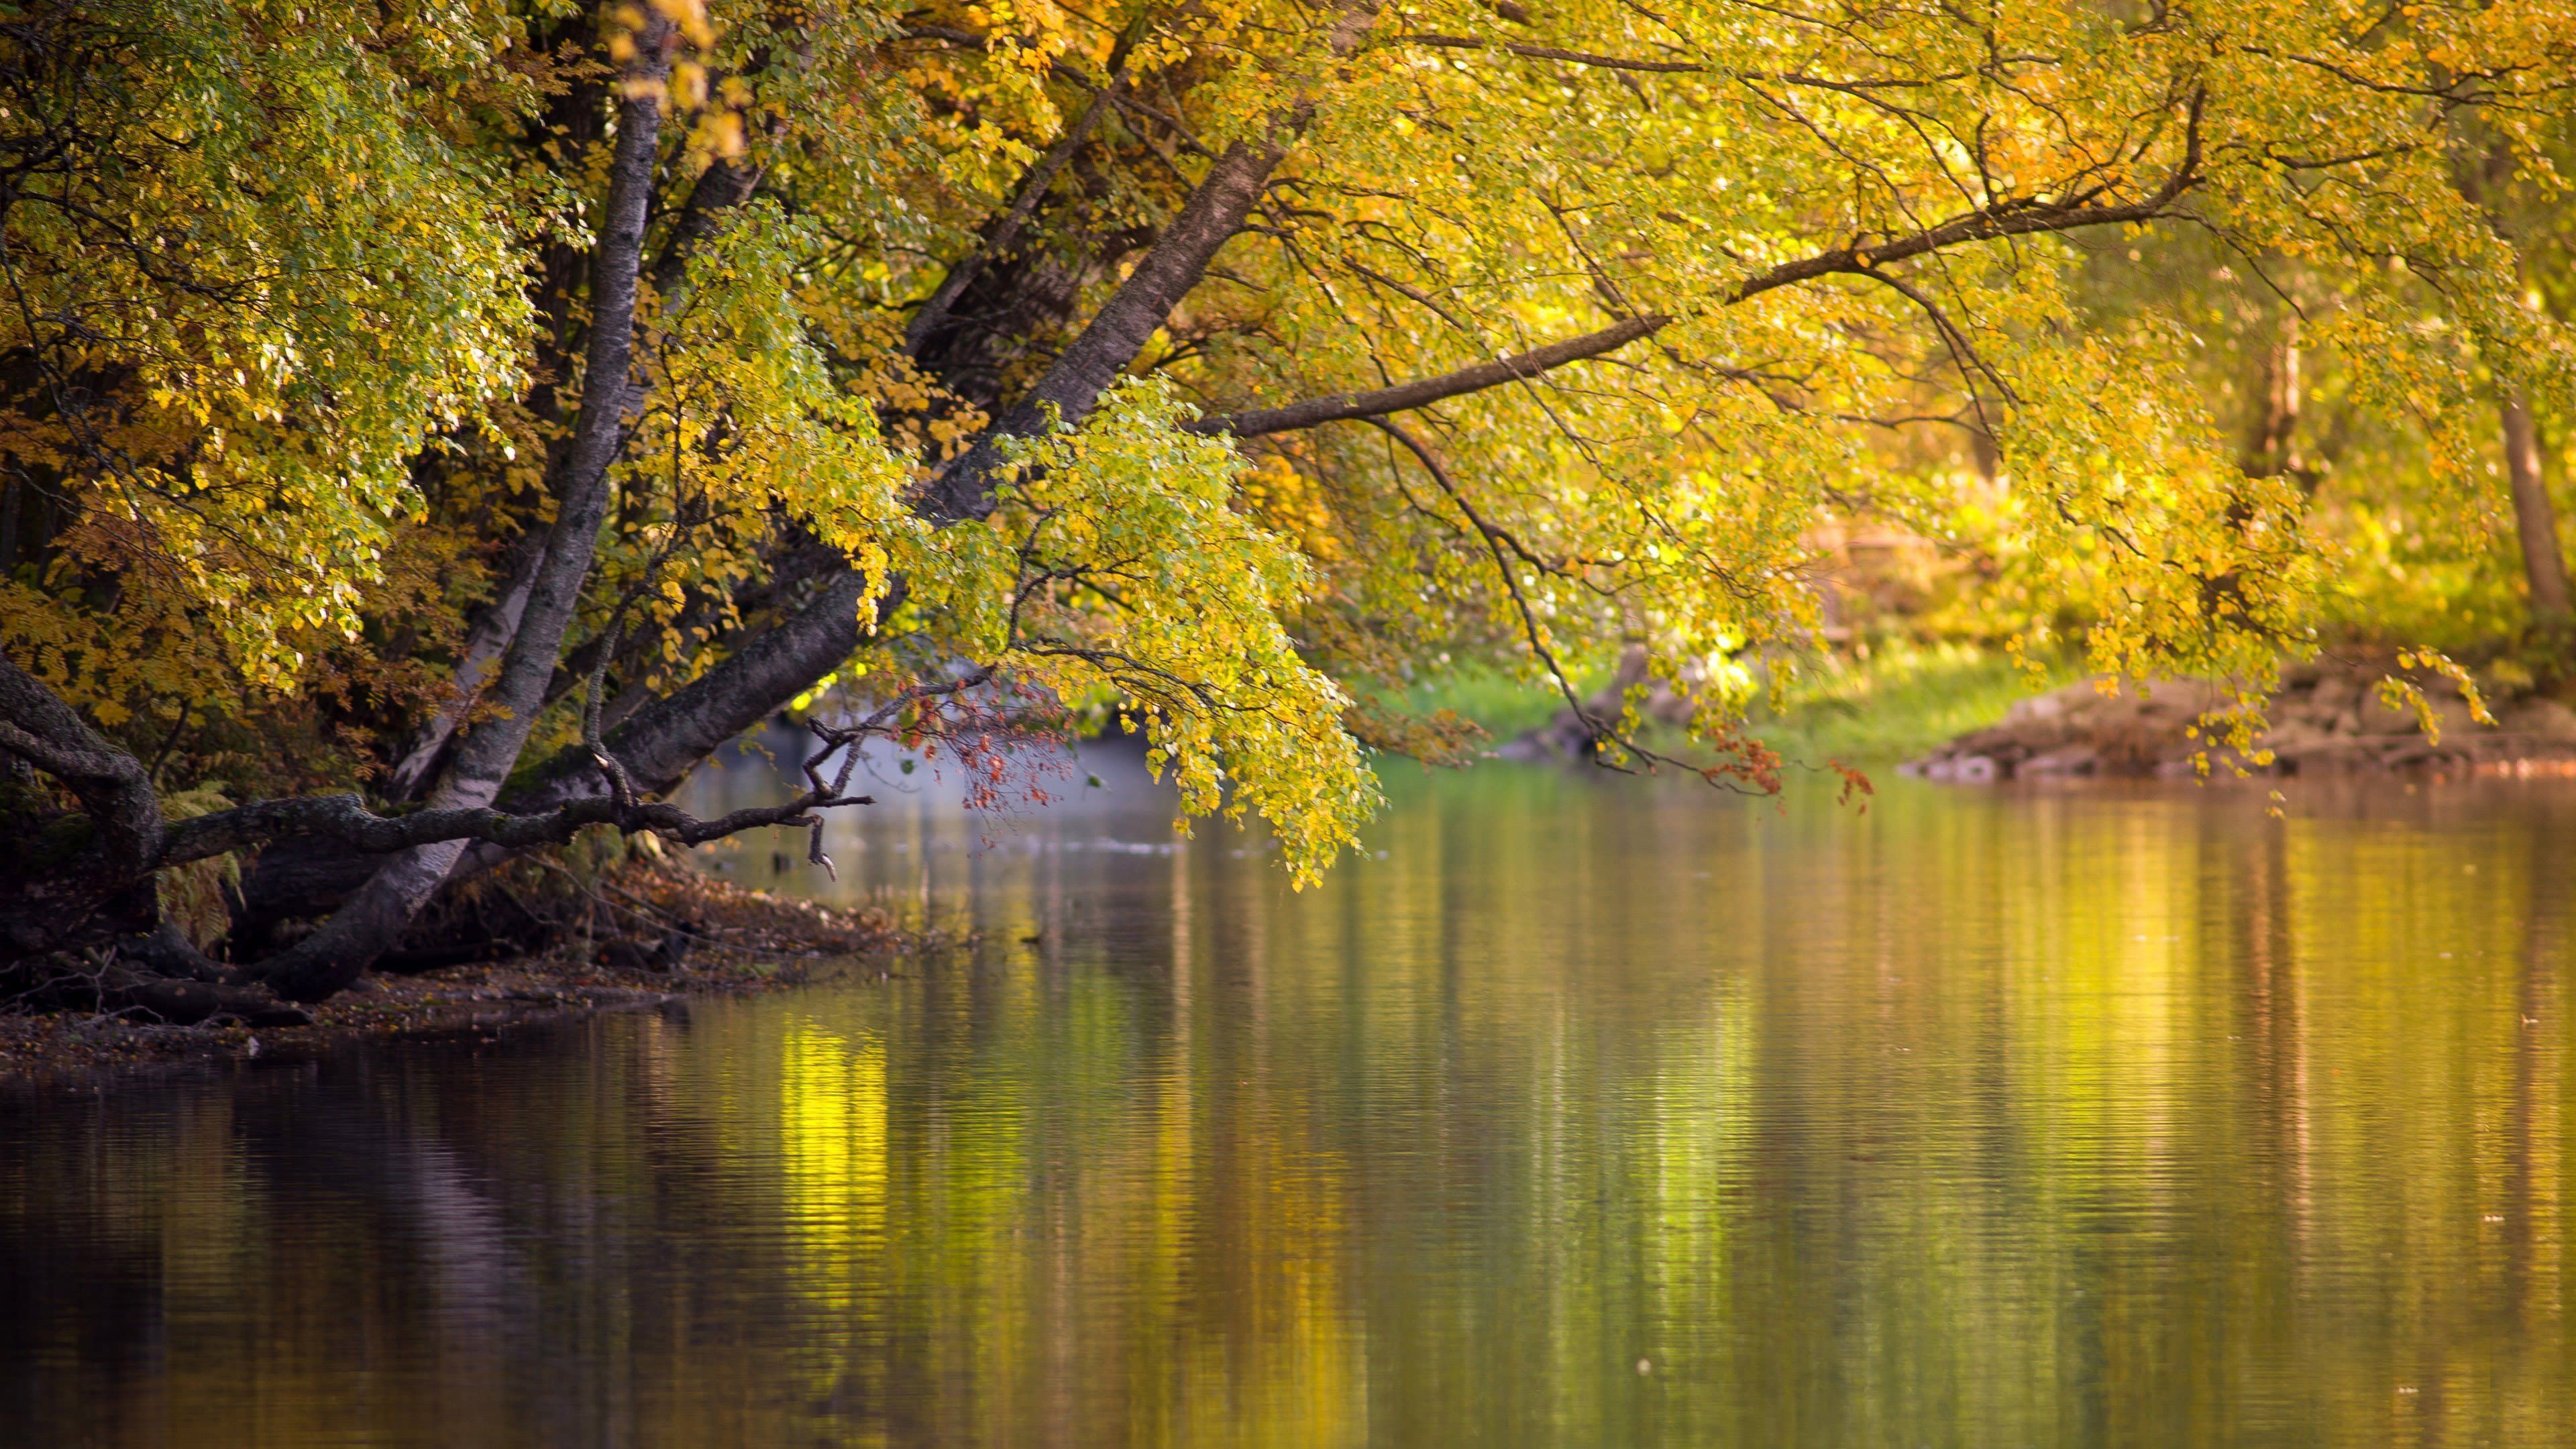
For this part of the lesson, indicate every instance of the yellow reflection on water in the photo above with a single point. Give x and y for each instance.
(1583, 1116)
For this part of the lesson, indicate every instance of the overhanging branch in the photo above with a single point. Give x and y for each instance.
(1864, 257)
(346, 819)
(1405, 397)
(1550, 52)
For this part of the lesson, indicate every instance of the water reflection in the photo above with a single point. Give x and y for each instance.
(1587, 1115)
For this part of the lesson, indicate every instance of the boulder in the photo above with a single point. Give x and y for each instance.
(2064, 760)
(1964, 769)
(2375, 716)
(2320, 753)
(2545, 720)
(2333, 694)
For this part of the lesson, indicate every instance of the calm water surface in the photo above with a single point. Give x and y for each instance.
(1576, 1114)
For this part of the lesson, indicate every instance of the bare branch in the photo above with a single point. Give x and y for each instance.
(346, 819)
(1405, 397)
(1864, 257)
(1549, 52)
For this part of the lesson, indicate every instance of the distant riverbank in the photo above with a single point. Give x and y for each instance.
(2323, 719)
(1874, 707)
(1957, 712)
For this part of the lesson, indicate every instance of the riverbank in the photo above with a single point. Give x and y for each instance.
(1958, 713)
(1869, 709)
(667, 934)
(2322, 719)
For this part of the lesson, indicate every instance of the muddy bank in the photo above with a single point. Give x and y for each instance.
(2324, 720)
(676, 935)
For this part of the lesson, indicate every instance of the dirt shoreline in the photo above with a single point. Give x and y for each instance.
(2322, 721)
(738, 941)
(714, 938)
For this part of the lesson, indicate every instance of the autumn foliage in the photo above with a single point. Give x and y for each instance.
(485, 410)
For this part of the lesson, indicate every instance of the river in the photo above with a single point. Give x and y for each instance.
(1573, 1112)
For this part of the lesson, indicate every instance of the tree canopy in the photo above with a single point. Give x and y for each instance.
(492, 408)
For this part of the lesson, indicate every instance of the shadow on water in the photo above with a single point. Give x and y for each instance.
(1571, 1113)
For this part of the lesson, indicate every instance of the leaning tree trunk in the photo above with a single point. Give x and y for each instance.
(456, 830)
(664, 740)
(372, 920)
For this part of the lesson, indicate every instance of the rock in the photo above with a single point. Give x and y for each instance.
(2325, 717)
(2034, 709)
(1961, 765)
(2450, 717)
(2322, 754)
(2542, 719)
(2064, 760)
(2293, 737)
(2458, 725)
(2059, 703)
(2377, 718)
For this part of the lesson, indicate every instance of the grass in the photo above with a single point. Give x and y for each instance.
(1500, 703)
(1895, 704)
(1898, 703)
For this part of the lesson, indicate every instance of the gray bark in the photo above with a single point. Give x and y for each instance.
(112, 786)
(718, 190)
(1033, 190)
(481, 759)
(1216, 210)
(485, 642)
(1071, 388)
(1405, 397)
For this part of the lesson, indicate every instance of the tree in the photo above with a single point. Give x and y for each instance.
(498, 407)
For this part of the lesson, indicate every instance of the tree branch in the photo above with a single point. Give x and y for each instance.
(1033, 189)
(721, 189)
(1549, 52)
(346, 819)
(2020, 216)
(113, 787)
(1422, 393)
(1215, 211)
(2016, 217)
(482, 759)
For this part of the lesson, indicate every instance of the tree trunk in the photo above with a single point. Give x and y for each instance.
(666, 738)
(85, 879)
(494, 627)
(2543, 564)
(2271, 444)
(373, 919)
(1217, 208)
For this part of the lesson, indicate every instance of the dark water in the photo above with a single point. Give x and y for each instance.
(1586, 1115)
